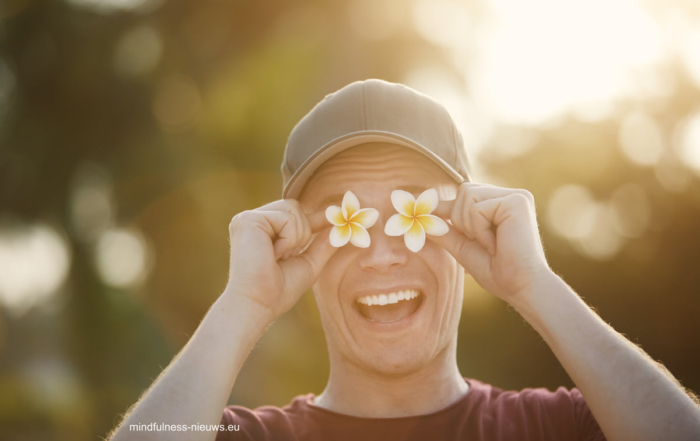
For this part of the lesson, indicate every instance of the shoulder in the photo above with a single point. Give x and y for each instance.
(263, 422)
(539, 397)
(561, 413)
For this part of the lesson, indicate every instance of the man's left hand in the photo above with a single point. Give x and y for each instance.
(494, 236)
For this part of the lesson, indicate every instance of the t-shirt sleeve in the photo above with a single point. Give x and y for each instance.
(235, 425)
(587, 426)
(542, 414)
(265, 423)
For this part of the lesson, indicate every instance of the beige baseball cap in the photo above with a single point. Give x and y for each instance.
(372, 111)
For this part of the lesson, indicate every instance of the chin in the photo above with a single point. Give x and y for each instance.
(397, 361)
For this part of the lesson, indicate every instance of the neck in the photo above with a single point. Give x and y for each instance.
(353, 390)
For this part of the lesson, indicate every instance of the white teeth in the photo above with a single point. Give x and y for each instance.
(385, 299)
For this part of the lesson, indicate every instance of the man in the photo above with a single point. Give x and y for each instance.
(394, 374)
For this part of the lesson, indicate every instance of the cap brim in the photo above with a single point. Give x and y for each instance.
(296, 183)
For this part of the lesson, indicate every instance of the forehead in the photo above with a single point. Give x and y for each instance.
(374, 166)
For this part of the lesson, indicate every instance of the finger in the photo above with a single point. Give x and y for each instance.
(313, 223)
(278, 205)
(303, 270)
(487, 215)
(460, 216)
(284, 227)
(306, 237)
(293, 207)
(469, 253)
(317, 220)
(481, 192)
(444, 208)
(470, 194)
(280, 226)
(303, 229)
(481, 214)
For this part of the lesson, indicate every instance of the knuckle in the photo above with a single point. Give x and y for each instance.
(529, 196)
(292, 205)
(520, 199)
(463, 188)
(241, 218)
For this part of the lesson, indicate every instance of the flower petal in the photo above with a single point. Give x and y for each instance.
(403, 201)
(365, 217)
(433, 225)
(359, 236)
(397, 225)
(340, 235)
(350, 204)
(334, 214)
(415, 237)
(426, 202)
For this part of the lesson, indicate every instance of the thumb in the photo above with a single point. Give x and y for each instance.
(301, 272)
(468, 253)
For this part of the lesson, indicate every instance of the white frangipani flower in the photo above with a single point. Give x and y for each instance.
(350, 223)
(414, 219)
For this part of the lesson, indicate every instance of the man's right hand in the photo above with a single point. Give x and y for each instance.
(268, 275)
(267, 265)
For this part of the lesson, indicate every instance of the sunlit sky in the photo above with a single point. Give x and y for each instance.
(544, 57)
(519, 65)
(527, 63)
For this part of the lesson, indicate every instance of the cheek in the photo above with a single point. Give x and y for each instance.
(443, 265)
(330, 278)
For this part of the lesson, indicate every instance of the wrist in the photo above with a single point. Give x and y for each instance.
(233, 318)
(543, 296)
(245, 308)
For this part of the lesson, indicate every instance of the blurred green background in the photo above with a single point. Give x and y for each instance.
(131, 131)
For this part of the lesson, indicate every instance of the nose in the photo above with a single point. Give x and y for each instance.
(385, 252)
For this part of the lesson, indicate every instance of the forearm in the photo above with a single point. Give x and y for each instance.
(196, 385)
(630, 395)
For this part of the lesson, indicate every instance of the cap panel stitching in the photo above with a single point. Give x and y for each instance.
(454, 139)
(364, 106)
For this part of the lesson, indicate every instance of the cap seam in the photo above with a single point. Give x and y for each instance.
(454, 139)
(412, 144)
(364, 106)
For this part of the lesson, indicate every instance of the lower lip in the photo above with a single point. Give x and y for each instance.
(376, 326)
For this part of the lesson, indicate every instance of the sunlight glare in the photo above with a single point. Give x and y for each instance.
(572, 211)
(442, 22)
(34, 262)
(537, 65)
(138, 51)
(640, 139)
(121, 257)
(688, 142)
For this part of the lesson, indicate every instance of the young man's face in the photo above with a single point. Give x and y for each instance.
(395, 338)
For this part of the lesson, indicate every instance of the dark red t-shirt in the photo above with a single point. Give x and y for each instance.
(484, 413)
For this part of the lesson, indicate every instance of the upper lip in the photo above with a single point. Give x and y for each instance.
(377, 291)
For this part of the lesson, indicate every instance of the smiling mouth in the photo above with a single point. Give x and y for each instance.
(389, 307)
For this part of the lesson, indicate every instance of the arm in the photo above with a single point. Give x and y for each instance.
(196, 385)
(630, 395)
(267, 276)
(496, 239)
